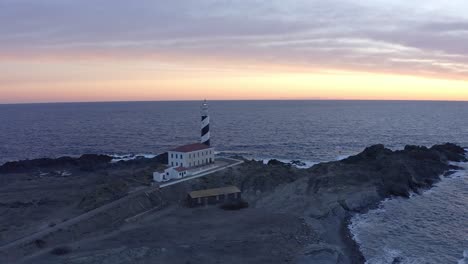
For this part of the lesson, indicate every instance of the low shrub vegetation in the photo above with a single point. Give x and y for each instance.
(234, 205)
(60, 251)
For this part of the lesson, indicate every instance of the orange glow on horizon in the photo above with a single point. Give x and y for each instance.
(65, 81)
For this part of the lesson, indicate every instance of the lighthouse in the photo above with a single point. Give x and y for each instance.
(191, 159)
(205, 124)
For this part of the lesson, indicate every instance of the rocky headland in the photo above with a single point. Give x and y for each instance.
(294, 215)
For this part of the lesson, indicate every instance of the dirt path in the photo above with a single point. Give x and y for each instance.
(72, 221)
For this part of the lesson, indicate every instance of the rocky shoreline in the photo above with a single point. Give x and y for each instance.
(295, 215)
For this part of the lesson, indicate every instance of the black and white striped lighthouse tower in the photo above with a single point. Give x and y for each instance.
(205, 124)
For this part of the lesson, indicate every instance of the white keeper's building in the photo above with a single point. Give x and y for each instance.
(186, 160)
(192, 155)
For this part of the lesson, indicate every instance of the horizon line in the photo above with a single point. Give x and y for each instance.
(232, 100)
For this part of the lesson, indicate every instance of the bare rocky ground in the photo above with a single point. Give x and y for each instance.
(295, 215)
(203, 235)
(42, 195)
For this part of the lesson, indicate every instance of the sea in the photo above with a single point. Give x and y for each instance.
(427, 228)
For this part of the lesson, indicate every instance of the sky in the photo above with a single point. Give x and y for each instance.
(143, 50)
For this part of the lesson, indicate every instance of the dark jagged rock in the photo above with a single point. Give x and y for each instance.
(85, 162)
(275, 162)
(90, 162)
(392, 172)
(162, 158)
(369, 154)
(451, 152)
(27, 165)
(142, 161)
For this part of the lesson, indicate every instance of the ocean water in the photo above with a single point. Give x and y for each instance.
(309, 130)
(431, 228)
(427, 228)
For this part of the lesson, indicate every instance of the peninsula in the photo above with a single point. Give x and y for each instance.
(92, 210)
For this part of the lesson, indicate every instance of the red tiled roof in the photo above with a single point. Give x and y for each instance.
(180, 169)
(191, 147)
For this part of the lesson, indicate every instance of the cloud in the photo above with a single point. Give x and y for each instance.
(447, 27)
(417, 37)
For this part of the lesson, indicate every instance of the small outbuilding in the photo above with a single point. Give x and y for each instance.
(214, 196)
(171, 173)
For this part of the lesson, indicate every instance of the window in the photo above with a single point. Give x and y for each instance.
(172, 164)
(172, 155)
(177, 163)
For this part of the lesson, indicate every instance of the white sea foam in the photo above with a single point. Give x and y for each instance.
(300, 164)
(237, 152)
(364, 220)
(387, 256)
(127, 157)
(464, 260)
(65, 173)
(306, 164)
(342, 157)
